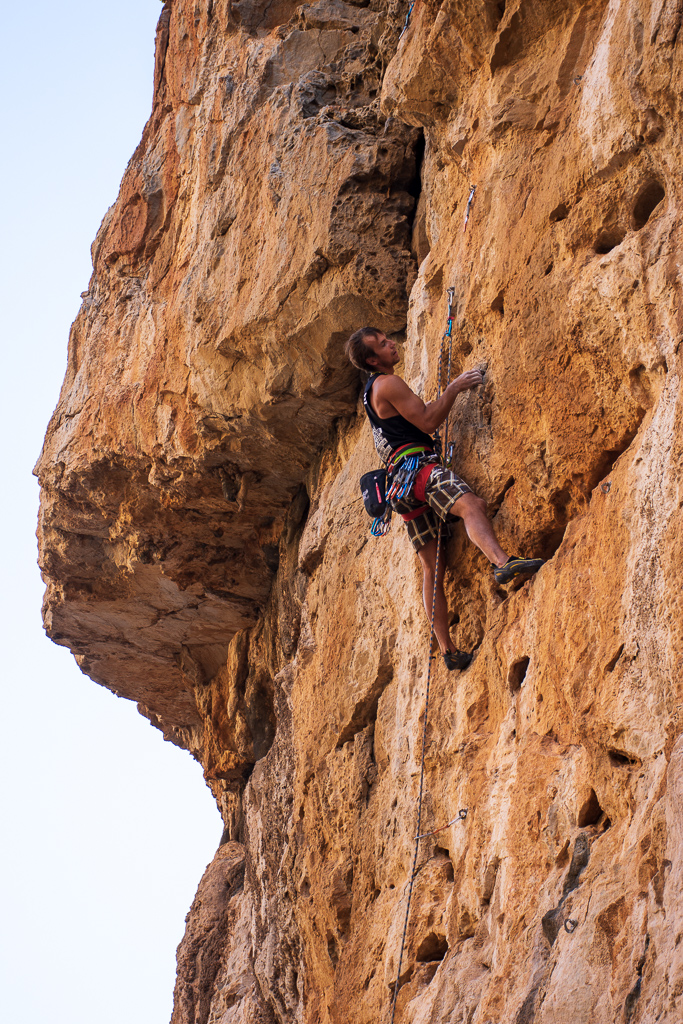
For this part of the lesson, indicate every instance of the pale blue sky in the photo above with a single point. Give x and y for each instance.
(106, 828)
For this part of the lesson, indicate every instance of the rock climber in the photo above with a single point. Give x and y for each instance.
(402, 426)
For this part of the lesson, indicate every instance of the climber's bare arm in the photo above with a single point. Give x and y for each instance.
(392, 395)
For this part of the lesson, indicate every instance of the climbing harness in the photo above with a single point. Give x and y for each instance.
(469, 207)
(462, 814)
(403, 475)
(404, 468)
(407, 21)
(404, 478)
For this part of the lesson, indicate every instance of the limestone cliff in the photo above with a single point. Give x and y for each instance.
(306, 171)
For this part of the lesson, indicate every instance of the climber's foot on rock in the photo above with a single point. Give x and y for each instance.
(516, 567)
(456, 660)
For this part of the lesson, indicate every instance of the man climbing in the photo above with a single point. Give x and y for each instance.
(402, 426)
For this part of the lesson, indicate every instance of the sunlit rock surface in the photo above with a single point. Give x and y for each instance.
(304, 172)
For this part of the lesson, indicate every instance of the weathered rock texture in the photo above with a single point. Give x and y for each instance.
(304, 171)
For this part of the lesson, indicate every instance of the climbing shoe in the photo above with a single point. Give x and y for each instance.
(516, 567)
(456, 659)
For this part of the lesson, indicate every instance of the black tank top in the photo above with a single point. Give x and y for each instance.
(394, 431)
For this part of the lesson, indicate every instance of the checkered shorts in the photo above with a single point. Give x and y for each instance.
(443, 489)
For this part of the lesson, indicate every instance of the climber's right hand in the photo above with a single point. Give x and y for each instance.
(467, 380)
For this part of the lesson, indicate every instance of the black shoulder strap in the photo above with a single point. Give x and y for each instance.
(366, 397)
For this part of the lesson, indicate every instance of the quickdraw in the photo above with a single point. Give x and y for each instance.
(407, 21)
(447, 338)
(460, 816)
(469, 207)
(404, 469)
(404, 478)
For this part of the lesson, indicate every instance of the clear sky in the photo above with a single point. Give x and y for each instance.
(106, 829)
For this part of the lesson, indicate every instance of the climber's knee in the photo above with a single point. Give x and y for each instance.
(468, 504)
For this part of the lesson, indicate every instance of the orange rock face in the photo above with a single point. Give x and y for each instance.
(206, 553)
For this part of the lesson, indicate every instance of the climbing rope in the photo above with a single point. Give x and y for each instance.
(407, 21)
(447, 339)
(413, 871)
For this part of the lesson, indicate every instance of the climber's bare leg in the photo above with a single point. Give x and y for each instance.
(427, 556)
(472, 511)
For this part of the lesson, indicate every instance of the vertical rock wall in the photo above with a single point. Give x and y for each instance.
(304, 172)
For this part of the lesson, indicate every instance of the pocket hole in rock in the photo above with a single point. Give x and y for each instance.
(619, 757)
(562, 858)
(560, 212)
(590, 811)
(517, 673)
(332, 949)
(510, 44)
(649, 197)
(433, 947)
(440, 852)
(608, 240)
(498, 303)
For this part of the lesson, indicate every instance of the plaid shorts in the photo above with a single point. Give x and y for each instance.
(443, 489)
